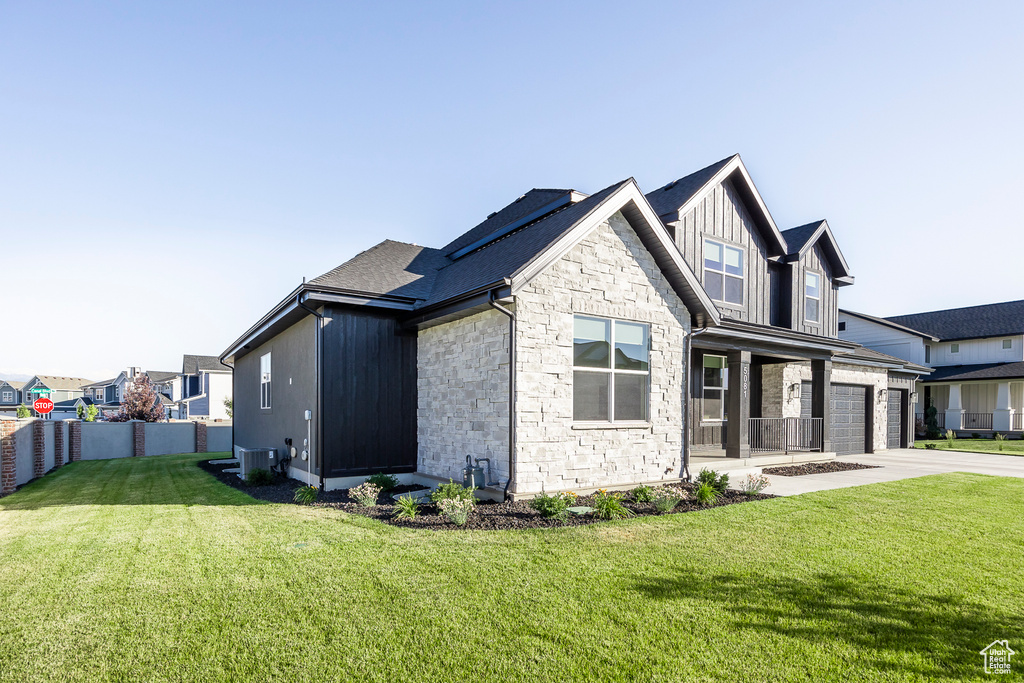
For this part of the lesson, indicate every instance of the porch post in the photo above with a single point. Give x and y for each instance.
(1002, 417)
(738, 440)
(821, 397)
(955, 409)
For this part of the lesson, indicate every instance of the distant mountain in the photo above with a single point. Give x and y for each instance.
(15, 376)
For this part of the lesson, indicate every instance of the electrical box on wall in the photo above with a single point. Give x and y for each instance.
(309, 414)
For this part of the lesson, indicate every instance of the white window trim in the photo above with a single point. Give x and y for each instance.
(8, 396)
(742, 278)
(613, 371)
(954, 347)
(812, 298)
(927, 353)
(1005, 347)
(267, 378)
(723, 389)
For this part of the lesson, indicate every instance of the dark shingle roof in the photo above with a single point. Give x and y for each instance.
(160, 375)
(972, 322)
(797, 237)
(672, 196)
(506, 256)
(526, 204)
(972, 372)
(190, 364)
(394, 268)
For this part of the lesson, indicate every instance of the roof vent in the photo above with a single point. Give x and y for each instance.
(492, 215)
(670, 185)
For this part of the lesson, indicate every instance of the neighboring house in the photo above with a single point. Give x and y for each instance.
(10, 395)
(168, 384)
(977, 354)
(68, 409)
(205, 384)
(55, 388)
(576, 342)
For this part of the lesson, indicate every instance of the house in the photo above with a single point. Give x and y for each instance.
(977, 353)
(55, 388)
(573, 341)
(10, 395)
(169, 385)
(205, 384)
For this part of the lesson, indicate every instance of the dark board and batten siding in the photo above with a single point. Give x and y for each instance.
(721, 215)
(814, 260)
(369, 408)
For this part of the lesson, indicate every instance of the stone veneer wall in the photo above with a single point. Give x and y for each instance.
(462, 395)
(609, 274)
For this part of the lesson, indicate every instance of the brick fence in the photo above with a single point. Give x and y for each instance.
(38, 448)
(138, 439)
(58, 444)
(8, 456)
(74, 441)
(200, 437)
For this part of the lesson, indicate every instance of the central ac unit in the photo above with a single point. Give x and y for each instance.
(255, 458)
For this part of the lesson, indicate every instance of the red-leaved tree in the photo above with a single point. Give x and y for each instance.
(140, 402)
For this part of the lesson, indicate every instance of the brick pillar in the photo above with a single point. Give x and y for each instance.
(74, 440)
(58, 443)
(139, 439)
(7, 456)
(38, 449)
(200, 437)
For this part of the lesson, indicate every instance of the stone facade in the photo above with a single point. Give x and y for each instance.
(462, 395)
(608, 274)
(877, 379)
(8, 456)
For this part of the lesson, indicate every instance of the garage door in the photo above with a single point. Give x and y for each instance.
(849, 418)
(895, 417)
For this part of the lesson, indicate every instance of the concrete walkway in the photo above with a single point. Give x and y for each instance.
(904, 463)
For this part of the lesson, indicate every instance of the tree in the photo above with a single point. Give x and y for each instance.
(141, 402)
(229, 406)
(931, 421)
(79, 411)
(90, 413)
(23, 412)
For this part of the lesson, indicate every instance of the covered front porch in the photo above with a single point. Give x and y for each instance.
(983, 406)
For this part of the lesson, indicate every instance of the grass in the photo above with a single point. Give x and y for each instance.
(148, 569)
(1010, 447)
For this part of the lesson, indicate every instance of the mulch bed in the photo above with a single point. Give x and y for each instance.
(816, 468)
(488, 515)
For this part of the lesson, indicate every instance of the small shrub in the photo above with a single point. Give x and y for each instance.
(666, 499)
(975, 435)
(1000, 438)
(306, 494)
(950, 436)
(754, 484)
(91, 412)
(451, 491)
(24, 412)
(406, 507)
(259, 477)
(643, 494)
(720, 482)
(552, 507)
(609, 506)
(457, 509)
(705, 493)
(365, 494)
(386, 482)
(931, 446)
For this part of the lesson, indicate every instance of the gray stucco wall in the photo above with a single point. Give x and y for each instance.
(48, 449)
(612, 275)
(106, 440)
(218, 439)
(23, 452)
(165, 438)
(293, 371)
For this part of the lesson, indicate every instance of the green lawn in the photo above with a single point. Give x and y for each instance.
(151, 570)
(1011, 447)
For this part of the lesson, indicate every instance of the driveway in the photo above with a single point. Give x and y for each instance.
(903, 463)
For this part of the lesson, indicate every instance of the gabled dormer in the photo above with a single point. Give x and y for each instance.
(728, 238)
(815, 270)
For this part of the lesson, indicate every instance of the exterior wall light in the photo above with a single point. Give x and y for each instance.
(794, 391)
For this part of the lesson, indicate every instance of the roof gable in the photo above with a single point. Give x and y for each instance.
(673, 201)
(972, 322)
(192, 364)
(887, 323)
(389, 268)
(803, 238)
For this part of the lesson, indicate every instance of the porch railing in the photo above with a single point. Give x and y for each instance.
(940, 420)
(1018, 421)
(785, 434)
(977, 421)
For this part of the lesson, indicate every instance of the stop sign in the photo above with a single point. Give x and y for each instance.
(42, 405)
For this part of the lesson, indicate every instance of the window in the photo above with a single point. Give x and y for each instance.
(611, 371)
(723, 272)
(927, 353)
(265, 381)
(1007, 343)
(8, 397)
(812, 297)
(842, 326)
(716, 388)
(954, 348)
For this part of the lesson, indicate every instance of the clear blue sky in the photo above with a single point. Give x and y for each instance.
(169, 171)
